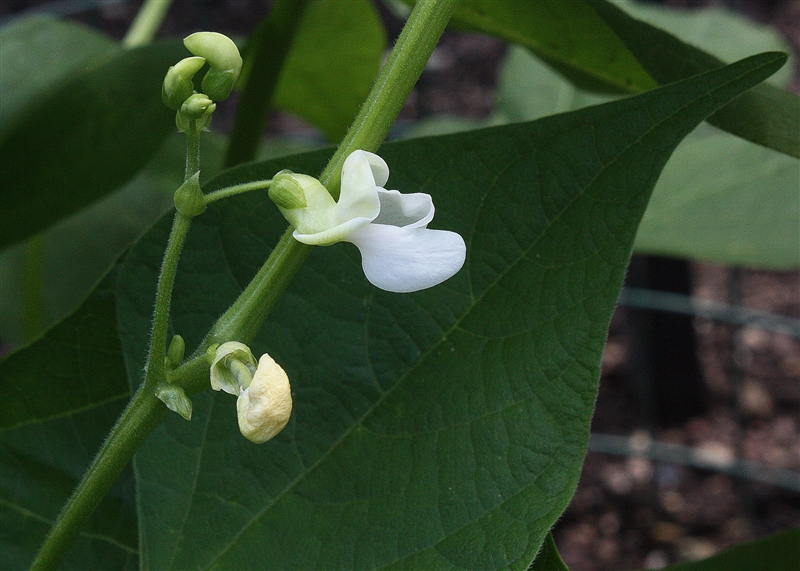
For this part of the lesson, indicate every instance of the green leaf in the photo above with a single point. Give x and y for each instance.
(332, 64)
(725, 200)
(765, 115)
(777, 552)
(39, 53)
(58, 399)
(567, 35)
(75, 259)
(85, 138)
(437, 430)
(549, 559)
(715, 197)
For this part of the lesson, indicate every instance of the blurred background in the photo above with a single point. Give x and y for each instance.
(696, 436)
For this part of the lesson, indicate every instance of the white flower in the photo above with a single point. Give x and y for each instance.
(265, 396)
(398, 252)
(265, 406)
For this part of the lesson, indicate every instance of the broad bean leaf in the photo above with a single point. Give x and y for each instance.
(777, 552)
(437, 430)
(85, 138)
(333, 61)
(60, 396)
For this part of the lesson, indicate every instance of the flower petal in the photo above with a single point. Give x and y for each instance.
(403, 260)
(404, 210)
(358, 196)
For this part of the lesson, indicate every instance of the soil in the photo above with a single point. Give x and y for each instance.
(629, 512)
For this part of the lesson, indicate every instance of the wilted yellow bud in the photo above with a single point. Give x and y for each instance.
(265, 406)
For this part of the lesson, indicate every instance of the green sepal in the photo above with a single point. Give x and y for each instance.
(286, 192)
(176, 400)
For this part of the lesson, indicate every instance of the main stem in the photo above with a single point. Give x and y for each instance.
(144, 412)
(245, 317)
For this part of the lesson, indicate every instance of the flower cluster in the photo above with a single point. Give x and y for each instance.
(178, 91)
(399, 252)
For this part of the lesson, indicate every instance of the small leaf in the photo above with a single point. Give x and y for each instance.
(437, 430)
(84, 139)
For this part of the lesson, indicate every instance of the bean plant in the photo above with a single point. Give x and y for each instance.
(375, 355)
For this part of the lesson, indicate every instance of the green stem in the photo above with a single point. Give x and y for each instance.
(142, 415)
(393, 85)
(247, 314)
(146, 24)
(269, 47)
(192, 150)
(237, 189)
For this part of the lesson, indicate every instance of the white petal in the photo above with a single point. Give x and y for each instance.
(265, 406)
(403, 260)
(379, 168)
(358, 196)
(404, 210)
(332, 235)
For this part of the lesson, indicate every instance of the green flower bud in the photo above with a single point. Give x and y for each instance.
(175, 352)
(286, 191)
(178, 85)
(223, 57)
(189, 200)
(176, 400)
(197, 106)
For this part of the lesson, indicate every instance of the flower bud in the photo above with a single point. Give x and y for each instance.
(190, 201)
(233, 367)
(223, 57)
(286, 190)
(175, 351)
(265, 406)
(178, 85)
(197, 106)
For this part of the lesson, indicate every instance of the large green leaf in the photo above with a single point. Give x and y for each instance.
(725, 200)
(568, 35)
(39, 52)
(59, 397)
(714, 199)
(437, 430)
(74, 258)
(765, 115)
(593, 43)
(778, 552)
(86, 137)
(333, 61)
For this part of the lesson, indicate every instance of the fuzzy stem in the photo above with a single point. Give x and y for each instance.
(146, 24)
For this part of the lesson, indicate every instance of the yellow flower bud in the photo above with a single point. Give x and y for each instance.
(265, 406)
